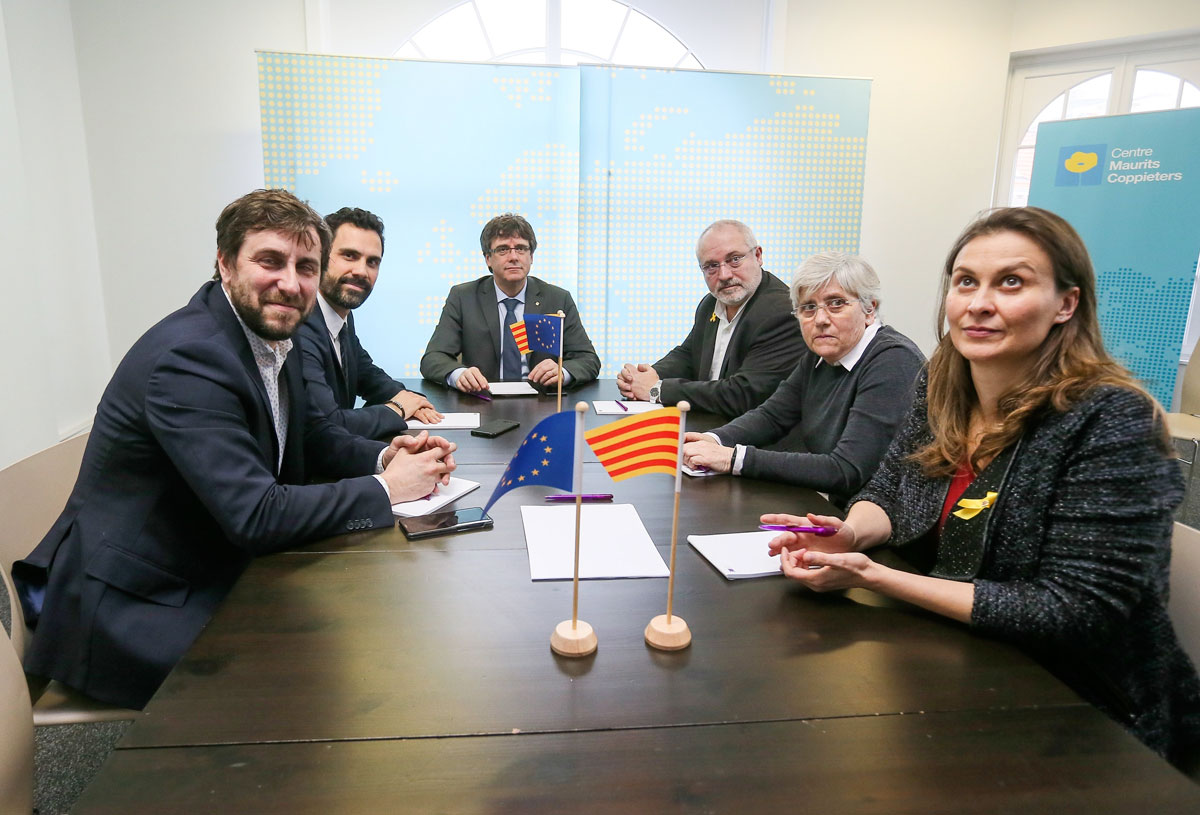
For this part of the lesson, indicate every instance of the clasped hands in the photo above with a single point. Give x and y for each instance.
(634, 381)
(413, 466)
(819, 562)
(699, 450)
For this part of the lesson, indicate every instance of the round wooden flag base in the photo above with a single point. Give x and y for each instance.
(672, 636)
(573, 642)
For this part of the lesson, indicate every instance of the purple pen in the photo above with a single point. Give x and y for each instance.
(588, 498)
(823, 531)
(622, 406)
(479, 395)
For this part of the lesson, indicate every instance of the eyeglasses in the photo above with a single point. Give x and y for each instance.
(714, 266)
(502, 251)
(834, 305)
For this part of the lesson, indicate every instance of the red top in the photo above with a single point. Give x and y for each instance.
(958, 485)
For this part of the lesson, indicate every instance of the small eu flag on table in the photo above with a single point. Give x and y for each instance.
(538, 332)
(545, 457)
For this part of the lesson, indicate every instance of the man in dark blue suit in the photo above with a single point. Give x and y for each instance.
(198, 459)
(337, 369)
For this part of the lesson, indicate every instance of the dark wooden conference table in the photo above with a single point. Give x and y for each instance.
(367, 673)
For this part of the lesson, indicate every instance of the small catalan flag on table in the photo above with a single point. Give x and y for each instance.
(538, 332)
(641, 444)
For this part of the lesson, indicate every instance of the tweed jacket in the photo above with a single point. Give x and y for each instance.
(1077, 559)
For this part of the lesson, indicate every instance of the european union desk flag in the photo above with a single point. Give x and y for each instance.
(538, 332)
(545, 457)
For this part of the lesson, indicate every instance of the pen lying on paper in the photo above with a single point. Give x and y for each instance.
(621, 406)
(588, 498)
(823, 531)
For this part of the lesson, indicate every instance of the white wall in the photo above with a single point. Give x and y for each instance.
(170, 103)
(939, 69)
(1040, 24)
(56, 359)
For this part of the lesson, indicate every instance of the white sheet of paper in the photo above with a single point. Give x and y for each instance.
(612, 543)
(699, 472)
(738, 555)
(451, 421)
(610, 407)
(457, 488)
(512, 389)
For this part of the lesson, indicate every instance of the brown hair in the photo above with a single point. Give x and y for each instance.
(268, 209)
(1071, 361)
(506, 226)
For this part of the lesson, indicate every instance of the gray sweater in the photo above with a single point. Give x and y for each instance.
(1077, 555)
(846, 418)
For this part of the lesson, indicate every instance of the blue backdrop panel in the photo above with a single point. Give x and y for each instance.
(437, 149)
(665, 153)
(1131, 186)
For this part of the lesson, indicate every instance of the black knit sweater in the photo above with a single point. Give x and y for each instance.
(1077, 563)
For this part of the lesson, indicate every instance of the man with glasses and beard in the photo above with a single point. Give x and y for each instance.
(200, 458)
(743, 342)
(337, 369)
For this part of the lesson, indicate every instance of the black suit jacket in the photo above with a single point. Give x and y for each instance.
(332, 387)
(176, 492)
(764, 348)
(470, 327)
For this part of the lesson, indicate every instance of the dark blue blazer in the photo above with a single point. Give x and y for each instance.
(332, 387)
(176, 492)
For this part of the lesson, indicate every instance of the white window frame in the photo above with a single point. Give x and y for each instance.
(1037, 77)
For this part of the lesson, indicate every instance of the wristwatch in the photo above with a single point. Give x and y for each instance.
(656, 391)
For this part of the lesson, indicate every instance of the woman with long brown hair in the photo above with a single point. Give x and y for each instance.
(1031, 485)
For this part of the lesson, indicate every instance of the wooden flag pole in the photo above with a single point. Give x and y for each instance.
(667, 632)
(562, 325)
(574, 637)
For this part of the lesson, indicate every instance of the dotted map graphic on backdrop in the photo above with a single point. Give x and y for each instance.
(618, 170)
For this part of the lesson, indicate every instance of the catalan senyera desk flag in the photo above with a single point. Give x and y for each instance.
(640, 444)
(545, 457)
(538, 332)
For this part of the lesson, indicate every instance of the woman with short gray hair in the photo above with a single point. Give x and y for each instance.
(844, 399)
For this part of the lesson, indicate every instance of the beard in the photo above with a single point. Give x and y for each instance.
(252, 311)
(341, 295)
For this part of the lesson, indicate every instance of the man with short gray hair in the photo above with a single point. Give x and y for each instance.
(743, 341)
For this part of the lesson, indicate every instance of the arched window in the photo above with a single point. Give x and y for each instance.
(593, 31)
(1099, 82)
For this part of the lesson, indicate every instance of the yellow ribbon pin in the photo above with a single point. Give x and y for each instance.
(713, 318)
(973, 506)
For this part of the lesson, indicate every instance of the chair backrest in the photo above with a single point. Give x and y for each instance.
(16, 734)
(1184, 607)
(32, 494)
(1189, 394)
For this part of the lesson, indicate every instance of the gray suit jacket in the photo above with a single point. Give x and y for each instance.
(469, 330)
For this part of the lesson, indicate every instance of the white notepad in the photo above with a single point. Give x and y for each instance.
(450, 421)
(512, 389)
(738, 555)
(611, 407)
(457, 488)
(612, 543)
(698, 472)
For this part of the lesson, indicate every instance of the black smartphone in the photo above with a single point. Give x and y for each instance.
(492, 429)
(443, 523)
